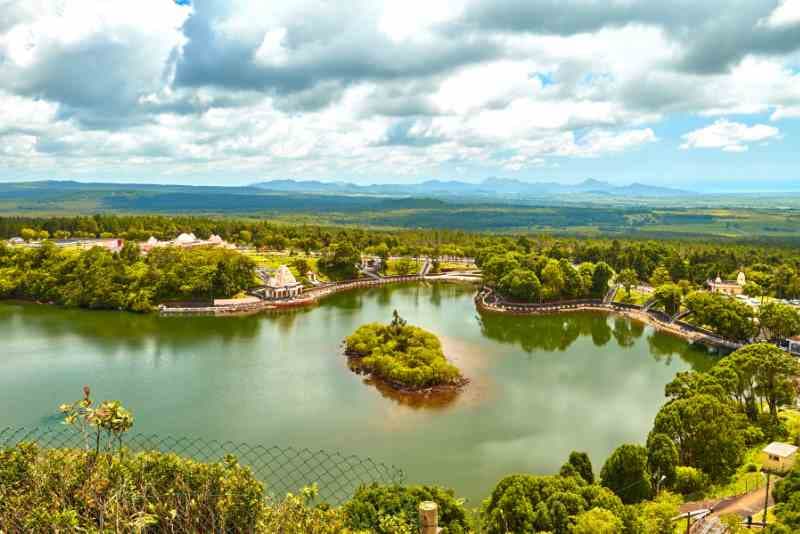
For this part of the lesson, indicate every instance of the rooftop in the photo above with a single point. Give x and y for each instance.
(282, 278)
(783, 450)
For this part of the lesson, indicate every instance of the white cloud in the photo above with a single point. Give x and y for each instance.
(598, 142)
(89, 84)
(728, 136)
(272, 51)
(407, 19)
(786, 14)
(785, 112)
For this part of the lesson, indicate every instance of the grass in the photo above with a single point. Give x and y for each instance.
(743, 481)
(449, 266)
(637, 297)
(391, 267)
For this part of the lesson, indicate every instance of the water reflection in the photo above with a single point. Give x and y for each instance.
(664, 348)
(601, 333)
(627, 331)
(433, 400)
(590, 380)
(110, 331)
(544, 332)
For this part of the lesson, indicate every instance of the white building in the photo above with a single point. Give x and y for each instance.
(779, 457)
(282, 285)
(186, 241)
(794, 345)
(728, 287)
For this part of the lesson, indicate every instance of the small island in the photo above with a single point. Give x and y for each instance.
(404, 357)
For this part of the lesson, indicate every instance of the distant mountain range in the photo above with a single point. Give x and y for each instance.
(488, 188)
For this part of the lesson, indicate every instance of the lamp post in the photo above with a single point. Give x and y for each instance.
(658, 484)
(766, 500)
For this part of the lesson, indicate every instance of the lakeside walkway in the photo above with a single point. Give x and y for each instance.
(487, 300)
(310, 296)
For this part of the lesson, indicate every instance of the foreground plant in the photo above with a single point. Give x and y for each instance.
(110, 418)
(67, 490)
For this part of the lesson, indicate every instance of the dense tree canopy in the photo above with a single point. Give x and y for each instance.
(779, 320)
(98, 278)
(776, 270)
(339, 261)
(710, 417)
(706, 432)
(534, 278)
(669, 297)
(728, 317)
(627, 475)
(527, 503)
(579, 464)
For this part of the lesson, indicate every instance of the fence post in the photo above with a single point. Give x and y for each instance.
(428, 517)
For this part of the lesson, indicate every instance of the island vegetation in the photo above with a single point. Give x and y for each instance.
(403, 356)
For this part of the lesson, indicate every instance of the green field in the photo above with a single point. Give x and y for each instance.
(774, 219)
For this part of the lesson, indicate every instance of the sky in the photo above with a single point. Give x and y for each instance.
(701, 94)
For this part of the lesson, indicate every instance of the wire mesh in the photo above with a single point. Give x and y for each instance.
(281, 469)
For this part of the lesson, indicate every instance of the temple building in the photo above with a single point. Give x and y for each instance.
(185, 241)
(282, 285)
(728, 287)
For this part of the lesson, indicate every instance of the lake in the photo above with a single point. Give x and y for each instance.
(541, 386)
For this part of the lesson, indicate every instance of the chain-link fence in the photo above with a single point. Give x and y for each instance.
(281, 469)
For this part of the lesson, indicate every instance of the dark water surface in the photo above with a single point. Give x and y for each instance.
(541, 386)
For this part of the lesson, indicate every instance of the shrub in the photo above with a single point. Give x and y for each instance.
(43, 490)
(788, 486)
(295, 515)
(597, 521)
(753, 436)
(690, 480)
(772, 429)
(528, 503)
(374, 505)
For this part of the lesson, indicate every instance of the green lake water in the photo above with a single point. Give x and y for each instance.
(541, 386)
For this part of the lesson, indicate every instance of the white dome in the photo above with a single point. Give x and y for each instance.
(186, 238)
(152, 241)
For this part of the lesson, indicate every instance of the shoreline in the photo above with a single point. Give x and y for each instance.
(313, 296)
(680, 329)
(402, 389)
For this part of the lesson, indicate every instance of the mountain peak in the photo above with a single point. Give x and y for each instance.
(591, 182)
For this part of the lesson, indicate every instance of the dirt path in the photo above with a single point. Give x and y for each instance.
(749, 504)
